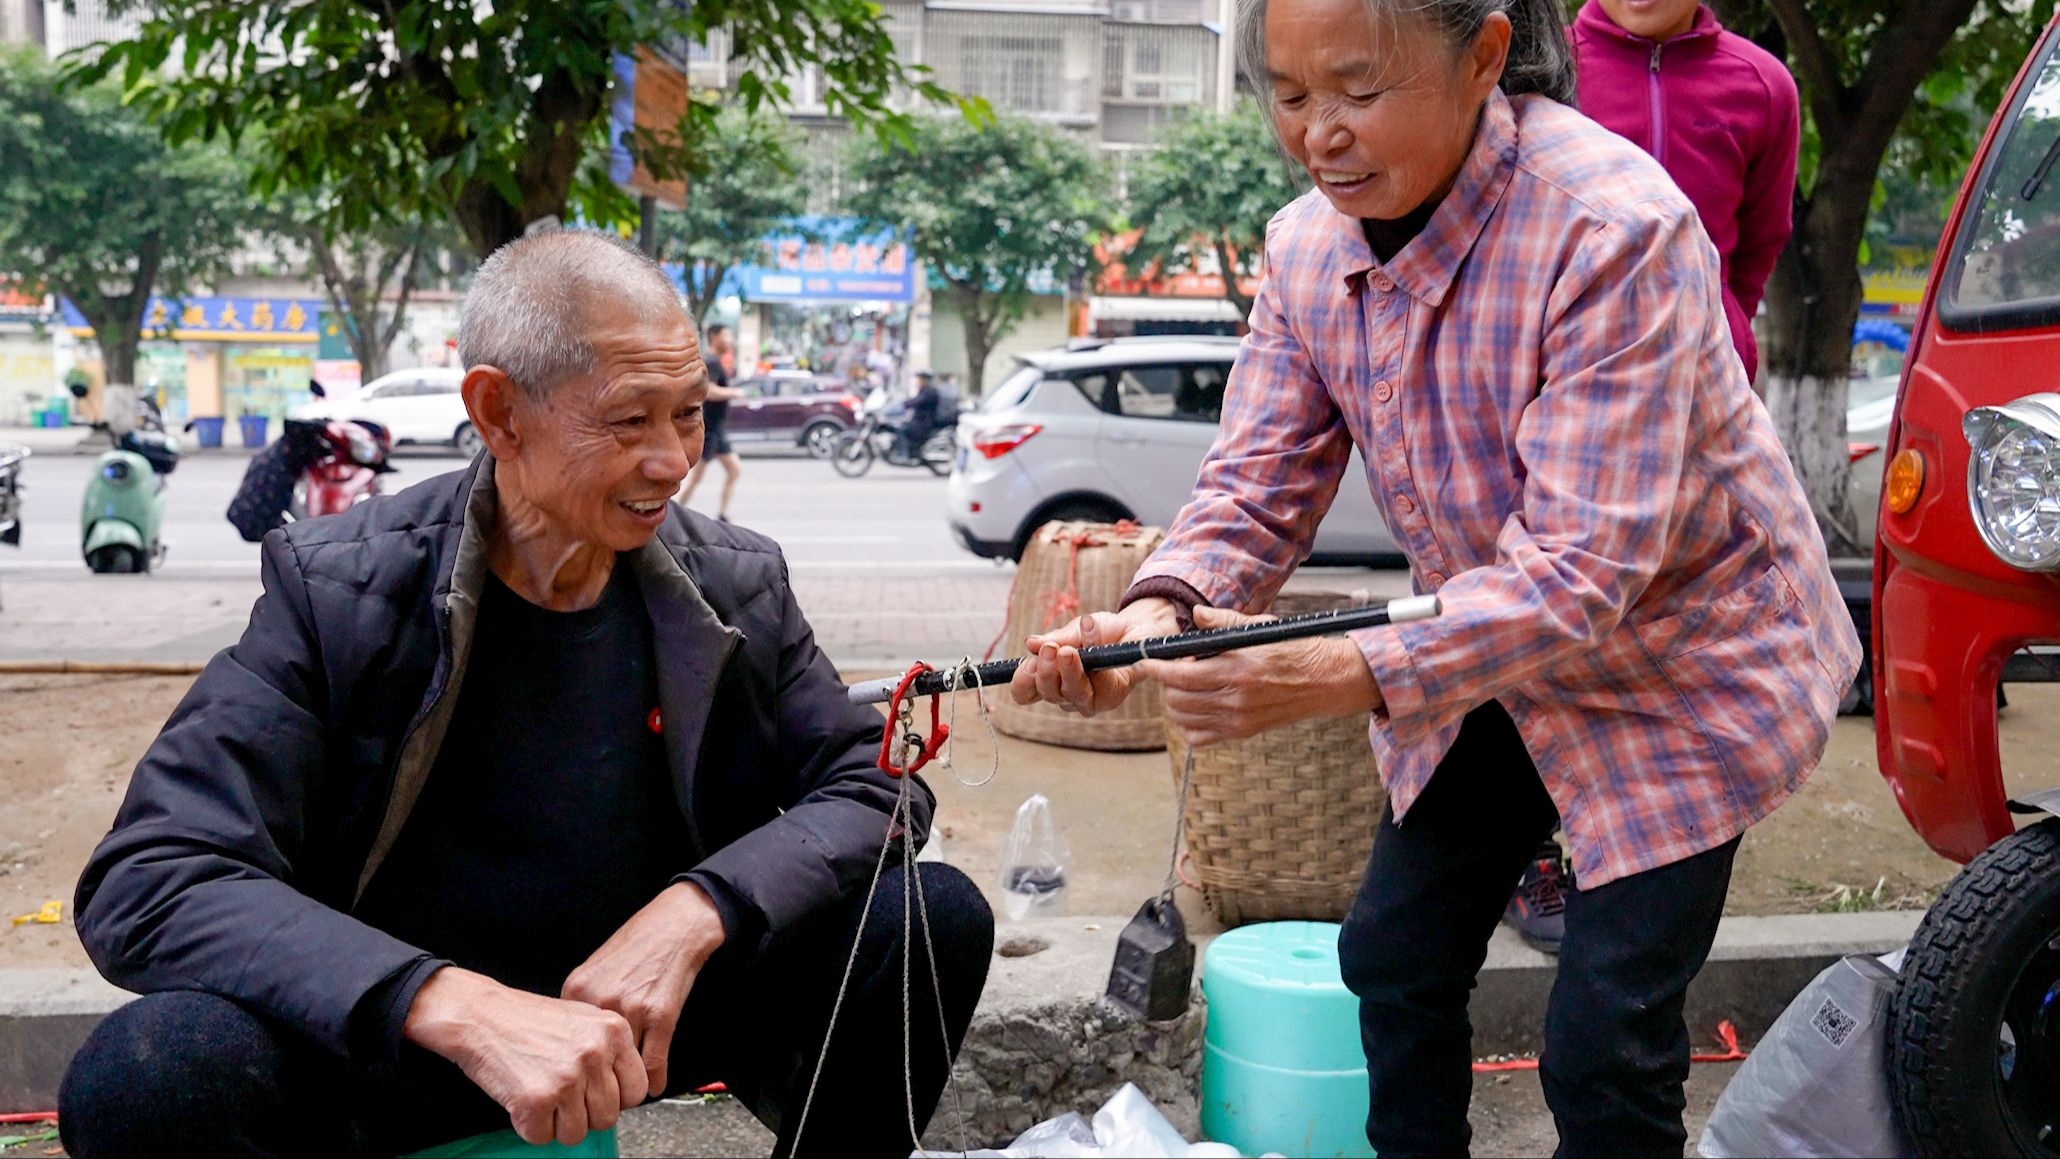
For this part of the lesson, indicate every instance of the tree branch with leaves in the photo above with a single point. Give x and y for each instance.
(495, 116)
(995, 210)
(101, 211)
(748, 182)
(1210, 185)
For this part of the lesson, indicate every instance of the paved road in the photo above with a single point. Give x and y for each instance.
(874, 565)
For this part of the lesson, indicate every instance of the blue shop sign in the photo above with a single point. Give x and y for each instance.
(831, 259)
(272, 320)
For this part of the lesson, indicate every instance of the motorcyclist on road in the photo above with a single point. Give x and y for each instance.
(923, 406)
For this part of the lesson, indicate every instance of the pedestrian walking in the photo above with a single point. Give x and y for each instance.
(1721, 115)
(715, 418)
(1641, 640)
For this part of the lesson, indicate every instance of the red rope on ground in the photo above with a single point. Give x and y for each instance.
(1727, 1037)
(30, 1117)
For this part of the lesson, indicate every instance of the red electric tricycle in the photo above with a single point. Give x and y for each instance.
(1966, 600)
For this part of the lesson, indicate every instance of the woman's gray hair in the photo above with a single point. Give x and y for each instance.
(533, 304)
(1541, 60)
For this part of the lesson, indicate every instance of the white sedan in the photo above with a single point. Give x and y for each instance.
(415, 406)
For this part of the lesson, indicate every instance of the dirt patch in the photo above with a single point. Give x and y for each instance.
(71, 743)
(1840, 843)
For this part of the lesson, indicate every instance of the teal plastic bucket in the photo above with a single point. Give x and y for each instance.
(1282, 1066)
(509, 1145)
(208, 431)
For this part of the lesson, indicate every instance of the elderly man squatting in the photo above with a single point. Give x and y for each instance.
(524, 797)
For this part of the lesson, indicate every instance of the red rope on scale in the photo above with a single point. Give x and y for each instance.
(900, 713)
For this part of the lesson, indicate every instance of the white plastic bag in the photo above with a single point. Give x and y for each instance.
(1817, 1084)
(1034, 860)
(1127, 1125)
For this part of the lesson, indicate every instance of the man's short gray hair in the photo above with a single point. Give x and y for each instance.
(533, 304)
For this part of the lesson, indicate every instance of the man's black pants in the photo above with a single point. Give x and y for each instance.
(187, 1073)
(1616, 1051)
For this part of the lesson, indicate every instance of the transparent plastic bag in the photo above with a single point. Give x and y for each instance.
(1128, 1124)
(1034, 861)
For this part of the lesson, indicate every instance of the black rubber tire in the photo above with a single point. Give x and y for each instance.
(853, 455)
(937, 452)
(1066, 511)
(117, 559)
(468, 441)
(819, 439)
(1994, 931)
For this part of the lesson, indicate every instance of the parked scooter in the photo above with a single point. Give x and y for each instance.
(11, 457)
(316, 468)
(120, 520)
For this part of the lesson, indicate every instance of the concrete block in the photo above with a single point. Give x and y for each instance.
(1045, 1042)
(1756, 967)
(44, 1017)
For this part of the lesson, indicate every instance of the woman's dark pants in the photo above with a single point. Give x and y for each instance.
(186, 1073)
(1616, 1050)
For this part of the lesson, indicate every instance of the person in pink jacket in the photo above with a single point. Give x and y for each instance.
(1720, 114)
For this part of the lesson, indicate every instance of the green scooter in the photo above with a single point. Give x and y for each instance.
(125, 502)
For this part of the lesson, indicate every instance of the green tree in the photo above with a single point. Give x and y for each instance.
(992, 209)
(1902, 83)
(1212, 183)
(370, 274)
(748, 180)
(97, 208)
(495, 115)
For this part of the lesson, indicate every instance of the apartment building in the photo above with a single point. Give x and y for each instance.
(1113, 72)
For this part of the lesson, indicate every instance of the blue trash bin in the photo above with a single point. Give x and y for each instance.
(253, 430)
(208, 431)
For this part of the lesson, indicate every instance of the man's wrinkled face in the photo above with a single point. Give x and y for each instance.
(603, 453)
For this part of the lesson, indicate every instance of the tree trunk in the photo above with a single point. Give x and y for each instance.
(704, 282)
(1815, 294)
(980, 335)
(1813, 301)
(561, 116)
(118, 345)
(1231, 292)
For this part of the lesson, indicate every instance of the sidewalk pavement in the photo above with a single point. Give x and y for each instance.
(866, 620)
(81, 440)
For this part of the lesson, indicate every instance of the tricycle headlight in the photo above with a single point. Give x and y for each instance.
(2013, 480)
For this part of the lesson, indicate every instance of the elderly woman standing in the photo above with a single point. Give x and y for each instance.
(1515, 316)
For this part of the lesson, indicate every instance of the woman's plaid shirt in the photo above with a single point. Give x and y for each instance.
(1562, 439)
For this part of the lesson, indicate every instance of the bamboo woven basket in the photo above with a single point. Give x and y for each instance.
(1068, 570)
(1279, 826)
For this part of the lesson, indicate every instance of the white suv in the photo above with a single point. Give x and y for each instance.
(1115, 429)
(421, 405)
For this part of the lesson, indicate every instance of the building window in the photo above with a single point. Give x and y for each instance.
(1156, 65)
(1014, 72)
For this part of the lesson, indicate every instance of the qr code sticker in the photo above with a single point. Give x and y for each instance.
(1834, 1024)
